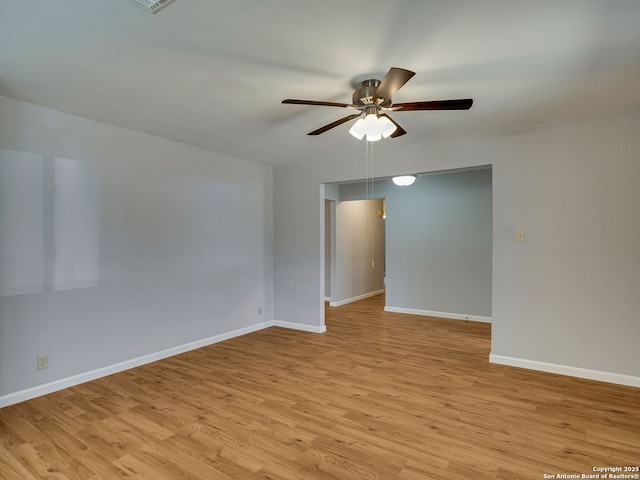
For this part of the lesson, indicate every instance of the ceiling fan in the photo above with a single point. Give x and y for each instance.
(374, 97)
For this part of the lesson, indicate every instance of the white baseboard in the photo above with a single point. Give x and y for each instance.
(300, 326)
(566, 370)
(33, 392)
(355, 299)
(430, 313)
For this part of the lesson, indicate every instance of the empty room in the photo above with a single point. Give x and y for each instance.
(319, 240)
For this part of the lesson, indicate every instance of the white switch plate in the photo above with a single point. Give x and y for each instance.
(519, 235)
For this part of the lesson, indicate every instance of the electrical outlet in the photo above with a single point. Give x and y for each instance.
(519, 235)
(259, 310)
(43, 362)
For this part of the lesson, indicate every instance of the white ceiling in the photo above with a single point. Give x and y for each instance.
(212, 73)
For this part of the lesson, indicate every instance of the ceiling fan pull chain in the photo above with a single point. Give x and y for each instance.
(366, 159)
(371, 160)
(373, 263)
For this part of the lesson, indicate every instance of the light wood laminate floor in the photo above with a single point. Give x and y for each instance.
(378, 396)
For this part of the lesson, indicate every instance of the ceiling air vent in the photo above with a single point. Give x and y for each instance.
(152, 5)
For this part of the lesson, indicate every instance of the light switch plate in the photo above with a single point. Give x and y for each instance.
(43, 362)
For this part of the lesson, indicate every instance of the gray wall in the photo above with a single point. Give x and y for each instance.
(566, 296)
(439, 243)
(116, 245)
(332, 196)
(360, 250)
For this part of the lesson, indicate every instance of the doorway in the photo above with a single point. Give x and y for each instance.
(438, 243)
(355, 250)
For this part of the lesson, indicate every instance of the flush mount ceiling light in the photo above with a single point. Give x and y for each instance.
(404, 180)
(152, 5)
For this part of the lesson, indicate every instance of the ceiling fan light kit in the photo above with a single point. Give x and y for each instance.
(372, 126)
(375, 96)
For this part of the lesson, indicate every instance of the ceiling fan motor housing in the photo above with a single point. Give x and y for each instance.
(364, 95)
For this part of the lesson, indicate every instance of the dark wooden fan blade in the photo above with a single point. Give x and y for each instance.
(334, 124)
(461, 104)
(314, 102)
(399, 130)
(391, 83)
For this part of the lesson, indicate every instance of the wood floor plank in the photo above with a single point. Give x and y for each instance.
(379, 395)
